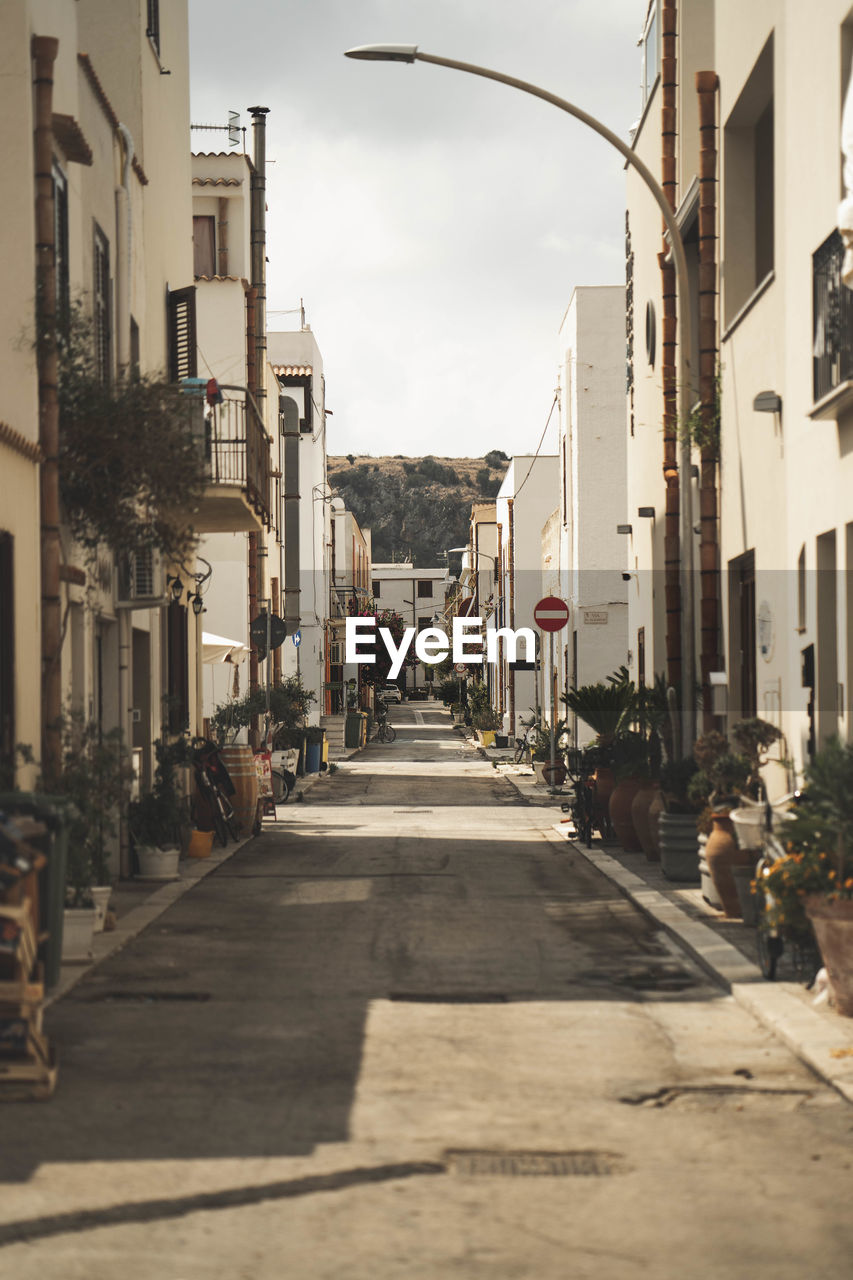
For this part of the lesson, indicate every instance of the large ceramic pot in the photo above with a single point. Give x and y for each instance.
(556, 776)
(640, 806)
(656, 808)
(723, 852)
(679, 848)
(832, 922)
(621, 802)
(709, 892)
(605, 783)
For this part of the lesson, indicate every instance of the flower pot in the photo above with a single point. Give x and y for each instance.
(743, 877)
(487, 737)
(722, 853)
(157, 864)
(101, 894)
(78, 927)
(556, 776)
(709, 893)
(656, 808)
(748, 823)
(605, 782)
(201, 844)
(621, 802)
(641, 821)
(539, 767)
(679, 848)
(832, 921)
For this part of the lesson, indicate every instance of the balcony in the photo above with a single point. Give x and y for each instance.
(832, 355)
(237, 457)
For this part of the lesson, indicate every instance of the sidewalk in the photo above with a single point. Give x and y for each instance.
(727, 950)
(136, 903)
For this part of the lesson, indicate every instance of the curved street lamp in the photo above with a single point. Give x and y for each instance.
(411, 53)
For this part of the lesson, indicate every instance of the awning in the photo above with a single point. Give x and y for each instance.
(221, 649)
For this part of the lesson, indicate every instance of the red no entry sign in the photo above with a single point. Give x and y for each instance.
(551, 614)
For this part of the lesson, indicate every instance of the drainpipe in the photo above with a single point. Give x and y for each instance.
(124, 242)
(511, 569)
(258, 347)
(707, 85)
(671, 537)
(44, 50)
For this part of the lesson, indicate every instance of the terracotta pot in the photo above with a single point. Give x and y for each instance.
(605, 783)
(656, 808)
(722, 852)
(640, 807)
(621, 801)
(832, 922)
(556, 776)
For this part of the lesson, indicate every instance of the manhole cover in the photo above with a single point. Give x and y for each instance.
(145, 997)
(431, 997)
(532, 1164)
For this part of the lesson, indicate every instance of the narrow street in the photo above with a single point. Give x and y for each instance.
(320, 1062)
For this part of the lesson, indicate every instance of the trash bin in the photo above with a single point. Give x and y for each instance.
(52, 812)
(314, 741)
(354, 729)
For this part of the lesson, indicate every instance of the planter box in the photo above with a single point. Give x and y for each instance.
(679, 847)
(157, 864)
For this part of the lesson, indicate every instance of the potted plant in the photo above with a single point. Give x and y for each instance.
(677, 833)
(484, 719)
(155, 818)
(608, 708)
(95, 778)
(720, 779)
(813, 882)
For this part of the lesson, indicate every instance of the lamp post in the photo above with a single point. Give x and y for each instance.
(411, 53)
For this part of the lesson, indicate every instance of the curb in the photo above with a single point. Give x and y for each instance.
(825, 1048)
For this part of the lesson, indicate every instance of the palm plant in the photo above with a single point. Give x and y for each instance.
(609, 709)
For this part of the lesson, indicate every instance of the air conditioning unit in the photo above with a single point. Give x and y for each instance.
(141, 580)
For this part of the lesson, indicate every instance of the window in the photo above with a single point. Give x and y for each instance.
(423, 623)
(748, 187)
(101, 305)
(425, 590)
(742, 635)
(153, 28)
(181, 333)
(134, 348)
(7, 659)
(832, 319)
(204, 246)
(650, 43)
(376, 587)
(60, 240)
(801, 589)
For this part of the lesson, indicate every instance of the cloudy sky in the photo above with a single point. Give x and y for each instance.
(434, 223)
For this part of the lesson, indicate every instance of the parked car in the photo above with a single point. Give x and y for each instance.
(391, 692)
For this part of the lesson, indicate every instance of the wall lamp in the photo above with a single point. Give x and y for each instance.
(176, 587)
(624, 528)
(648, 513)
(767, 402)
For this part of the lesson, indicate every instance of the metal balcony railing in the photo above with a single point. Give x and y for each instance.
(833, 319)
(237, 449)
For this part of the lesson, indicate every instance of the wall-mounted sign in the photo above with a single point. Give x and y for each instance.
(766, 631)
(595, 617)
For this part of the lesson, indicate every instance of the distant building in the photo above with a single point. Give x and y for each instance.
(418, 596)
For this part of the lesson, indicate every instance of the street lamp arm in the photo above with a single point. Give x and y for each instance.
(411, 53)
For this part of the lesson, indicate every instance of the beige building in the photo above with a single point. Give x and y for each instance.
(111, 237)
(742, 118)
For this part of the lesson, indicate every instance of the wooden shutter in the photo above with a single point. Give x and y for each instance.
(182, 333)
(7, 656)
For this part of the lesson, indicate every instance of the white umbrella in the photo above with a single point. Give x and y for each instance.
(221, 649)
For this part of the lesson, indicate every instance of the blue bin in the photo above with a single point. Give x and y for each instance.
(312, 757)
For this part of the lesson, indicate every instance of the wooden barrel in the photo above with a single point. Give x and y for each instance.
(240, 763)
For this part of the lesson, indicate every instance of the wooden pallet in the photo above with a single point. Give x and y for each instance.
(31, 1078)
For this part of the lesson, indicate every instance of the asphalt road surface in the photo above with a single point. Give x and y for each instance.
(405, 1034)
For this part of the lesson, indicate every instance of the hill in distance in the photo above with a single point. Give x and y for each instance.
(415, 508)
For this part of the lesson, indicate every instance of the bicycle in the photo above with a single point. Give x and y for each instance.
(582, 805)
(214, 785)
(524, 744)
(774, 938)
(385, 732)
